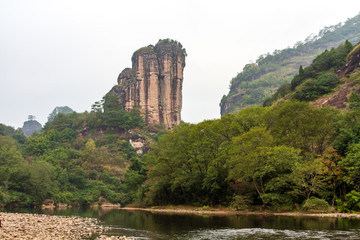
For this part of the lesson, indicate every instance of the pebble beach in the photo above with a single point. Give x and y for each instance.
(44, 227)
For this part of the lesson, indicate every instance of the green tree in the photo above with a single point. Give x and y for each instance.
(256, 159)
(351, 165)
(307, 179)
(41, 183)
(57, 110)
(300, 125)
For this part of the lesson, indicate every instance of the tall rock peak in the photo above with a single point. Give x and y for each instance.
(154, 83)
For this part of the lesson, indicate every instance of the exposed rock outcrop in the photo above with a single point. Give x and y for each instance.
(339, 98)
(154, 83)
(353, 62)
(30, 127)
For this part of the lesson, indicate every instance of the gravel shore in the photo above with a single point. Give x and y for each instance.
(44, 227)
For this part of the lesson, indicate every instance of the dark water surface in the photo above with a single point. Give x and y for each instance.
(147, 225)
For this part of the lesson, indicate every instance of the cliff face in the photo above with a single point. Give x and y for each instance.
(353, 62)
(154, 83)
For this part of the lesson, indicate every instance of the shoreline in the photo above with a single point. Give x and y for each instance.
(219, 212)
(27, 226)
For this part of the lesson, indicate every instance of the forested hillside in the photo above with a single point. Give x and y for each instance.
(321, 77)
(76, 159)
(261, 79)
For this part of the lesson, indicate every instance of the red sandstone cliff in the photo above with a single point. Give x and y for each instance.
(154, 83)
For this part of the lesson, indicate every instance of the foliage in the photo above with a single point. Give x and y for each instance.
(57, 110)
(240, 203)
(300, 125)
(311, 89)
(351, 203)
(116, 117)
(174, 42)
(66, 164)
(307, 179)
(254, 158)
(351, 166)
(314, 204)
(17, 134)
(317, 79)
(274, 157)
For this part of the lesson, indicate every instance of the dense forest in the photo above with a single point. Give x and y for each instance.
(69, 161)
(260, 79)
(281, 157)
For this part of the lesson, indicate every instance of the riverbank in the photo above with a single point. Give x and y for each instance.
(43, 227)
(225, 211)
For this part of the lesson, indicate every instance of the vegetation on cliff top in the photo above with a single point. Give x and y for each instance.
(173, 42)
(150, 48)
(31, 126)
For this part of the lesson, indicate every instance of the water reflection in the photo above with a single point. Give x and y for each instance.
(148, 225)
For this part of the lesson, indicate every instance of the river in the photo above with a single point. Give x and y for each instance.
(147, 225)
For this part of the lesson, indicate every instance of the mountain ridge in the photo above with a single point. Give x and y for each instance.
(261, 79)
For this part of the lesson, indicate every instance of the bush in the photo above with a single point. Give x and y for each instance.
(19, 199)
(278, 202)
(314, 204)
(240, 203)
(351, 202)
(205, 207)
(4, 197)
(64, 197)
(314, 88)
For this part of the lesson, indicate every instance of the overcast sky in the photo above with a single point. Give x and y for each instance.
(70, 52)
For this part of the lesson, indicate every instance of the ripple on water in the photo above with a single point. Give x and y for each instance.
(268, 234)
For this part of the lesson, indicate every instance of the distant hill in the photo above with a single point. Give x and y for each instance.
(332, 79)
(261, 79)
(57, 110)
(11, 132)
(31, 126)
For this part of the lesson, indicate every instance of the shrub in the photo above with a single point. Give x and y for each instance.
(240, 203)
(205, 207)
(278, 202)
(314, 204)
(64, 197)
(351, 202)
(314, 88)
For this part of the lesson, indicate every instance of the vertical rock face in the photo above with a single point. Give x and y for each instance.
(154, 83)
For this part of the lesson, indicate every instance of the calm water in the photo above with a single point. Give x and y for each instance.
(147, 225)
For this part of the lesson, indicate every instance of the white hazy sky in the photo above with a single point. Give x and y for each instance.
(70, 52)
